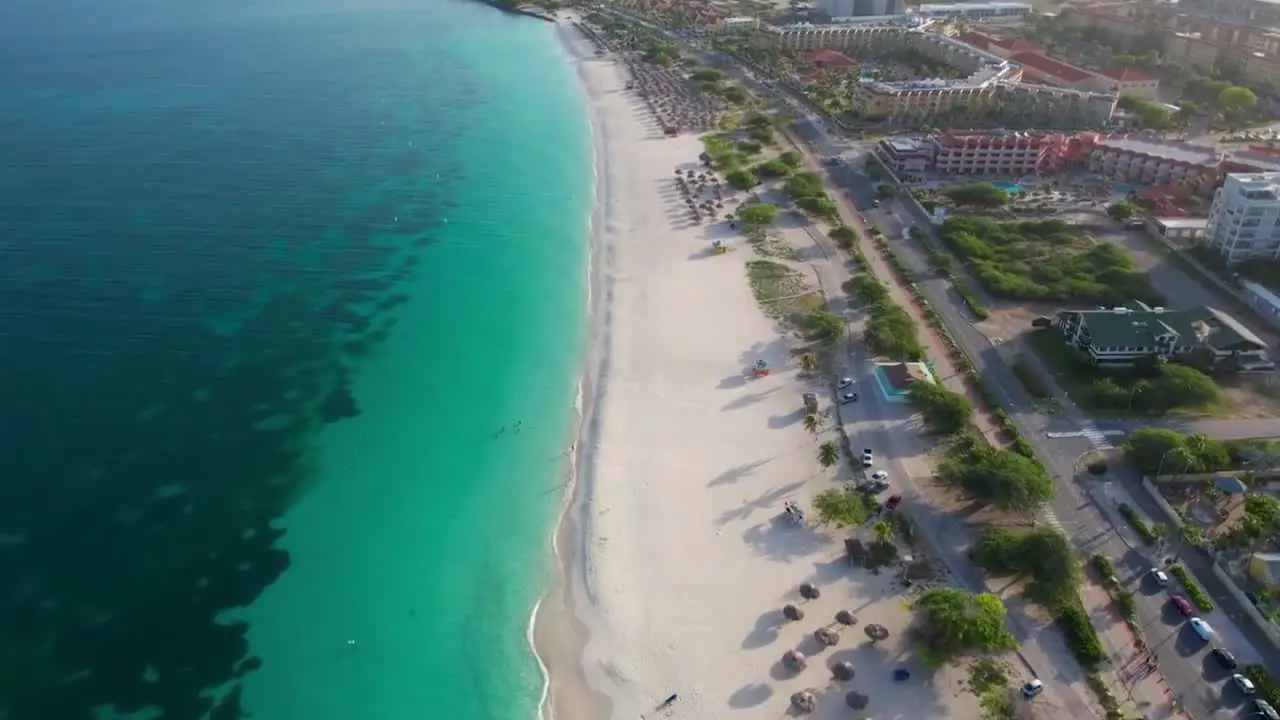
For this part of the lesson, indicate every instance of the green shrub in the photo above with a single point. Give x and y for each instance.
(1266, 685)
(1195, 593)
(975, 305)
(1138, 524)
(742, 179)
(1081, 636)
(946, 411)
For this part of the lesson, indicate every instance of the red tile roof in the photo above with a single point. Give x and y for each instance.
(830, 58)
(1124, 74)
(976, 39)
(1049, 66)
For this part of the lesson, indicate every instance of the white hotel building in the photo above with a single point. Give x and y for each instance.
(1244, 220)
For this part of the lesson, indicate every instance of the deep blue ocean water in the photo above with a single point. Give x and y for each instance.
(290, 313)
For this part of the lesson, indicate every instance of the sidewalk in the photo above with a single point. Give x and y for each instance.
(936, 348)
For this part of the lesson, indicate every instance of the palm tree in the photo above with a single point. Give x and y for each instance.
(808, 362)
(811, 423)
(883, 530)
(828, 454)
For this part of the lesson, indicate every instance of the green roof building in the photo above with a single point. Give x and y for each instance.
(1120, 336)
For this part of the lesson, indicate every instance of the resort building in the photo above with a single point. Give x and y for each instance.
(974, 12)
(991, 80)
(859, 8)
(1202, 35)
(1244, 220)
(1037, 66)
(974, 152)
(1127, 81)
(1182, 229)
(906, 155)
(1154, 162)
(1123, 336)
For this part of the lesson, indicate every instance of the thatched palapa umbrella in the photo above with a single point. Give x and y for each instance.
(876, 632)
(809, 592)
(846, 618)
(804, 702)
(793, 613)
(794, 660)
(843, 671)
(857, 700)
(826, 637)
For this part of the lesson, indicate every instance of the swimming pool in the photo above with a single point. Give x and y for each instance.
(1008, 186)
(891, 393)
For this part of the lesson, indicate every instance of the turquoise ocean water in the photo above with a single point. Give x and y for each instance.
(274, 278)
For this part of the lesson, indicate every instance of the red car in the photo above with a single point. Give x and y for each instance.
(1183, 606)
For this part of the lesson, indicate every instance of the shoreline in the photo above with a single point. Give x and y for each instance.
(558, 635)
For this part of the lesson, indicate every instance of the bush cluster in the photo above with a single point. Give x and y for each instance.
(1195, 593)
(1082, 637)
(1045, 260)
(806, 189)
(1122, 598)
(1266, 685)
(975, 305)
(889, 331)
(1138, 523)
(1157, 450)
(946, 411)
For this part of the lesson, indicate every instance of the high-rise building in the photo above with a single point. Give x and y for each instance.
(1244, 220)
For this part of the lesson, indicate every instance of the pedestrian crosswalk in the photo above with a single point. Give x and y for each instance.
(1046, 516)
(1096, 437)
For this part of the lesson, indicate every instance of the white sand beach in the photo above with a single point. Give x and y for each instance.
(678, 557)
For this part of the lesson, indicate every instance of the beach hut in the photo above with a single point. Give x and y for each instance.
(804, 702)
(856, 700)
(794, 660)
(826, 637)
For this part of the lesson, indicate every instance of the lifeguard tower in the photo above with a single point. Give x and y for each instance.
(762, 368)
(718, 247)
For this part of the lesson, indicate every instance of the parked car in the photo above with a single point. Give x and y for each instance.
(1224, 658)
(879, 481)
(1183, 606)
(1033, 688)
(848, 397)
(1042, 322)
(893, 502)
(866, 458)
(1201, 628)
(1244, 684)
(1264, 708)
(1160, 577)
(844, 383)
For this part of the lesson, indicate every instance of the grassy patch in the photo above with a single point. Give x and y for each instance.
(1046, 260)
(782, 292)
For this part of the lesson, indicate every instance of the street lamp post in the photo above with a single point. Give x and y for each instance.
(1134, 393)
